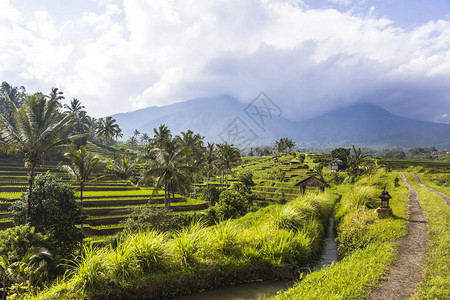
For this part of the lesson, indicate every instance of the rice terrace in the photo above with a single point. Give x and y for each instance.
(225, 150)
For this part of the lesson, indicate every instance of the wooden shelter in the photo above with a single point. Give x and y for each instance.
(311, 182)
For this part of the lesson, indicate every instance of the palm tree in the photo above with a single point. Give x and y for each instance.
(82, 166)
(39, 129)
(161, 136)
(132, 141)
(167, 164)
(228, 157)
(56, 95)
(193, 146)
(74, 107)
(355, 160)
(136, 133)
(118, 134)
(210, 160)
(107, 128)
(144, 138)
(124, 167)
(8, 93)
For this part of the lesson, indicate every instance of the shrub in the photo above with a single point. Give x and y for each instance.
(54, 212)
(16, 241)
(150, 217)
(231, 205)
(210, 195)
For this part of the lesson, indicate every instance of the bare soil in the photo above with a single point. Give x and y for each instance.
(442, 195)
(406, 272)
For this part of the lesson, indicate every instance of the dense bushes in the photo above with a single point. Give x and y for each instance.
(16, 241)
(55, 212)
(231, 205)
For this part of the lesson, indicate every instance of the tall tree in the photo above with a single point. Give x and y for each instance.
(74, 106)
(194, 150)
(210, 161)
(56, 95)
(136, 134)
(167, 165)
(9, 93)
(38, 130)
(228, 157)
(83, 167)
(161, 136)
(107, 128)
(144, 138)
(355, 160)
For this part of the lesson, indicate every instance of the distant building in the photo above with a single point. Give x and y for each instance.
(337, 165)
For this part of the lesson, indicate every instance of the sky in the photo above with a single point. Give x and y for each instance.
(309, 56)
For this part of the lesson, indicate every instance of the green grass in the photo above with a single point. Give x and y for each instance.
(366, 244)
(435, 283)
(198, 257)
(351, 278)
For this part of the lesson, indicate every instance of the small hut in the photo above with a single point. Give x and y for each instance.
(312, 182)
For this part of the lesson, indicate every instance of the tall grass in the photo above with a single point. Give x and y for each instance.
(203, 257)
(149, 248)
(185, 244)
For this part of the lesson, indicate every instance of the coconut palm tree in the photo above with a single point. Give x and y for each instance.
(136, 134)
(124, 166)
(144, 138)
(15, 94)
(132, 141)
(167, 164)
(210, 160)
(38, 130)
(107, 128)
(228, 157)
(74, 107)
(83, 167)
(160, 136)
(194, 150)
(118, 134)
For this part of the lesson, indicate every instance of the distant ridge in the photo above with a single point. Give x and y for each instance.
(360, 124)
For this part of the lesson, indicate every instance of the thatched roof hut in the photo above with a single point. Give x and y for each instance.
(312, 182)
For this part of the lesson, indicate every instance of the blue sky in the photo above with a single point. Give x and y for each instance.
(308, 56)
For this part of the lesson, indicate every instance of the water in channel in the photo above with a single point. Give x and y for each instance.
(260, 290)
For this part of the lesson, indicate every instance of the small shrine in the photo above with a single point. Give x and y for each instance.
(384, 211)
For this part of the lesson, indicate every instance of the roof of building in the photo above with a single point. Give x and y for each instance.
(312, 181)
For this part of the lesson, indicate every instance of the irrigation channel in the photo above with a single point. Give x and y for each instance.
(259, 290)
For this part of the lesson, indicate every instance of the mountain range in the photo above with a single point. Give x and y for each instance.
(225, 119)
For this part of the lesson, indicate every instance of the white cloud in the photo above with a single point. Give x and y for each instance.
(137, 53)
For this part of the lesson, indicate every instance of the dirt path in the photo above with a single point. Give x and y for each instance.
(406, 271)
(442, 195)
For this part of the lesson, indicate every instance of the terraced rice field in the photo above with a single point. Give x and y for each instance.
(107, 203)
(268, 188)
